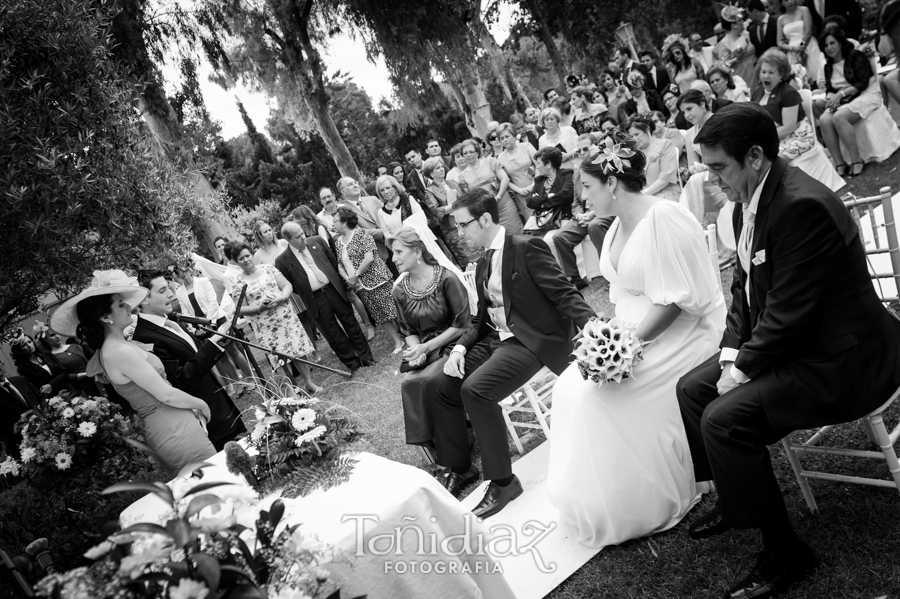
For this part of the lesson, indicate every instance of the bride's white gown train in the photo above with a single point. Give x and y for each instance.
(620, 467)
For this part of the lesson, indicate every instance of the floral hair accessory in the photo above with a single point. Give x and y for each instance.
(15, 336)
(613, 157)
(635, 79)
(731, 12)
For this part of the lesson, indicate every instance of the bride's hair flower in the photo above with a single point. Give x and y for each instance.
(613, 157)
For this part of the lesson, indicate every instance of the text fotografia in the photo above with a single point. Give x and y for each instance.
(410, 543)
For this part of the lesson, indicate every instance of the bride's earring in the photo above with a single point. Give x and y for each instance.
(107, 320)
(612, 194)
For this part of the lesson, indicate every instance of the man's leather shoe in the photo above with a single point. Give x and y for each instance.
(455, 482)
(774, 573)
(496, 498)
(710, 524)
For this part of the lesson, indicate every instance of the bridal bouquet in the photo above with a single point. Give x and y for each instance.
(607, 351)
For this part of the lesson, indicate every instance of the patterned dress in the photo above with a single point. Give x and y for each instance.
(278, 328)
(375, 283)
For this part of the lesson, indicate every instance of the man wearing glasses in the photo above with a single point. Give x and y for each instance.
(584, 221)
(527, 316)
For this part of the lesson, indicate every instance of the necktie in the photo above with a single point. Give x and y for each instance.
(489, 256)
(320, 276)
(745, 244)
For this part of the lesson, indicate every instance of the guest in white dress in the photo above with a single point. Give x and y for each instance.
(796, 38)
(620, 466)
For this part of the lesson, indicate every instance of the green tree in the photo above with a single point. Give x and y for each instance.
(83, 189)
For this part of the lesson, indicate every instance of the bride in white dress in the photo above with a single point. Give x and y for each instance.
(620, 467)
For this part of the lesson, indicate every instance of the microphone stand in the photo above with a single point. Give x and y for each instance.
(268, 350)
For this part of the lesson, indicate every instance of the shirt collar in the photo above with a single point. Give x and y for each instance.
(765, 20)
(156, 319)
(497, 243)
(757, 193)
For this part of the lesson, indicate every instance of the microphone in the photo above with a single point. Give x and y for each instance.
(190, 319)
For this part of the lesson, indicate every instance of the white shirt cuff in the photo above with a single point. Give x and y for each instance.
(460, 348)
(729, 354)
(739, 376)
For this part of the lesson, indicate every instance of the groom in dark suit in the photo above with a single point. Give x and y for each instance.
(527, 314)
(187, 361)
(807, 340)
(311, 269)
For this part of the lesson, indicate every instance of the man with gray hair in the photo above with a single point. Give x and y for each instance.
(311, 268)
(366, 208)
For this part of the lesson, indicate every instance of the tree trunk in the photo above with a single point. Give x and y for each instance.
(555, 57)
(305, 64)
(473, 102)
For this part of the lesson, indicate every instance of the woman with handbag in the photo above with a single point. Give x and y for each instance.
(434, 310)
(552, 195)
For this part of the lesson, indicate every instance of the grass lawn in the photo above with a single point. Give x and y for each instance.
(855, 536)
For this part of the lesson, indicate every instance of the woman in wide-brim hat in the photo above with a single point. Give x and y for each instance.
(173, 422)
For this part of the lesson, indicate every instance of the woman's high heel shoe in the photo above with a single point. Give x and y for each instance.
(854, 172)
(841, 170)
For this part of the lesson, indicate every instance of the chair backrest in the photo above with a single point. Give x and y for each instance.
(712, 250)
(806, 100)
(678, 167)
(469, 276)
(874, 244)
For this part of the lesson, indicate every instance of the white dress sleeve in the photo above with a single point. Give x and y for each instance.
(675, 266)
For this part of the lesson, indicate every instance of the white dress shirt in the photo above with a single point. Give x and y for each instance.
(317, 278)
(729, 354)
(497, 312)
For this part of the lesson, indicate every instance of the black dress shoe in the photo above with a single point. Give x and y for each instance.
(774, 573)
(455, 482)
(710, 524)
(496, 498)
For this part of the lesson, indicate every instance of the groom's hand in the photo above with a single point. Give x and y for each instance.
(455, 365)
(726, 382)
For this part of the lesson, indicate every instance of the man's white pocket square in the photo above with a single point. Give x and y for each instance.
(759, 258)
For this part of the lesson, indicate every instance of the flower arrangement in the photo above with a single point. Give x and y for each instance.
(298, 444)
(202, 551)
(65, 430)
(607, 351)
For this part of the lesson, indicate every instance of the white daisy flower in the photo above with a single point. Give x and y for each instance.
(310, 436)
(63, 461)
(28, 454)
(87, 429)
(68, 413)
(303, 419)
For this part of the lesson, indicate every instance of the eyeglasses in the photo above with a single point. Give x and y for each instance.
(460, 227)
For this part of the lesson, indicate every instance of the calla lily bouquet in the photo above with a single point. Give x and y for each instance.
(607, 351)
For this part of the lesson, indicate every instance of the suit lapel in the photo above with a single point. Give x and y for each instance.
(301, 272)
(768, 193)
(154, 328)
(506, 268)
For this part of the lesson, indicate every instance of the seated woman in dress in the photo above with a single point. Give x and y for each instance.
(563, 138)
(643, 100)
(784, 105)
(365, 273)
(552, 195)
(852, 94)
(661, 157)
(723, 85)
(587, 112)
(434, 311)
(271, 318)
(173, 423)
(620, 466)
(30, 363)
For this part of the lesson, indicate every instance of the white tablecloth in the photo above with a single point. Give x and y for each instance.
(383, 501)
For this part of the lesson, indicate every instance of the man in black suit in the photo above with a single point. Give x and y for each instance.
(433, 149)
(763, 30)
(807, 341)
(848, 9)
(187, 362)
(527, 314)
(17, 396)
(415, 183)
(657, 77)
(311, 269)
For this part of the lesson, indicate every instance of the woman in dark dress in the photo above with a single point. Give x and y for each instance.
(31, 364)
(433, 308)
(70, 358)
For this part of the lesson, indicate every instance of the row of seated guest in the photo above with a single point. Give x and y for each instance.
(51, 365)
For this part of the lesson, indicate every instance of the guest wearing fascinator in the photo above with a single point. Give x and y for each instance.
(173, 422)
(735, 52)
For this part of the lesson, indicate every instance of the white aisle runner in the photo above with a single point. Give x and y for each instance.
(548, 550)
